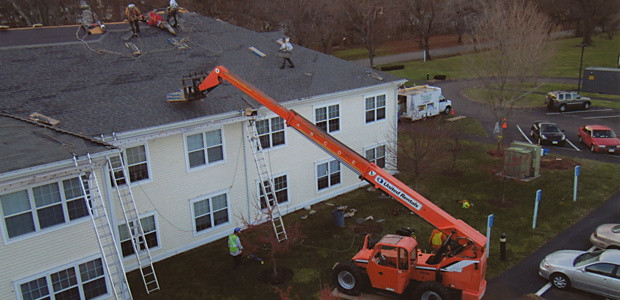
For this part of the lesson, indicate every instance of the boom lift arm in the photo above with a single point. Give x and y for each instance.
(462, 253)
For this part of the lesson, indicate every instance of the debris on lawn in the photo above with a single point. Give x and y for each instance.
(312, 212)
(304, 217)
(359, 220)
(344, 207)
(371, 189)
(369, 218)
(329, 204)
(380, 220)
(396, 210)
(351, 213)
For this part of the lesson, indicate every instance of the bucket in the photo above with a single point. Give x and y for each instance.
(338, 217)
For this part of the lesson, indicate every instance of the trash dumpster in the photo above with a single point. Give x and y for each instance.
(338, 217)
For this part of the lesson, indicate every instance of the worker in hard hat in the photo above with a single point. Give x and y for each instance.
(173, 12)
(235, 247)
(133, 15)
(437, 239)
(285, 53)
(156, 20)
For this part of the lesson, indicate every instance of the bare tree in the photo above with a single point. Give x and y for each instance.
(366, 20)
(426, 18)
(517, 31)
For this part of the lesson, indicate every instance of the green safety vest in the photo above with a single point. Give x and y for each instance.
(437, 239)
(232, 243)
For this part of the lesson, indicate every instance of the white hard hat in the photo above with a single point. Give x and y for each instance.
(131, 5)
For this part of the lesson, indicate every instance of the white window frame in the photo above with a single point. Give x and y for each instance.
(33, 212)
(375, 108)
(288, 187)
(127, 166)
(270, 132)
(207, 164)
(316, 175)
(80, 284)
(374, 148)
(157, 233)
(327, 106)
(209, 198)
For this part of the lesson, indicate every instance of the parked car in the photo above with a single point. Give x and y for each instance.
(599, 138)
(546, 132)
(606, 236)
(597, 272)
(563, 100)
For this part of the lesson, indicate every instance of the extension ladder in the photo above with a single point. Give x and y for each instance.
(266, 181)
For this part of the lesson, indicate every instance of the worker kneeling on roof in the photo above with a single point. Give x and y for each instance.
(156, 20)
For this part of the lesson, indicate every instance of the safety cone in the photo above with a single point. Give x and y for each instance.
(452, 111)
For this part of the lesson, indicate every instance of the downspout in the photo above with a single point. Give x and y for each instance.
(247, 175)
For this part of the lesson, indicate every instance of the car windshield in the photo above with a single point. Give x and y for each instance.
(549, 128)
(615, 229)
(587, 258)
(604, 134)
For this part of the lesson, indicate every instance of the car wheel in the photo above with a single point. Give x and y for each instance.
(592, 148)
(560, 281)
(613, 247)
(431, 290)
(448, 110)
(532, 133)
(348, 278)
(580, 140)
(586, 105)
(562, 108)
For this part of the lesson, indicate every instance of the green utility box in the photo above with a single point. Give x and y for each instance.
(522, 160)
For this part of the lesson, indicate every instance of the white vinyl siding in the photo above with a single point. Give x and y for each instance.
(43, 206)
(375, 108)
(79, 281)
(205, 148)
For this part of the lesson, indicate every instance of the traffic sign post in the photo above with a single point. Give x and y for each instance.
(489, 225)
(575, 186)
(536, 208)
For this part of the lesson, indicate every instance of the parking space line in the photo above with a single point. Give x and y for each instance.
(523, 134)
(602, 117)
(573, 145)
(543, 289)
(579, 112)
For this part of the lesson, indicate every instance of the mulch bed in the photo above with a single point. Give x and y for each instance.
(368, 227)
(283, 276)
(557, 163)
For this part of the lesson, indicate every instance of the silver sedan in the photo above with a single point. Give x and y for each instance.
(606, 236)
(597, 272)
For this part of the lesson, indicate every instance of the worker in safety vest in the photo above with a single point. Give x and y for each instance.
(133, 15)
(234, 244)
(437, 239)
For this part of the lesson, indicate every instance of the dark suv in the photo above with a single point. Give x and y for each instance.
(563, 100)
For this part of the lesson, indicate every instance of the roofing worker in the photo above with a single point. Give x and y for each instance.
(173, 12)
(234, 245)
(285, 53)
(156, 20)
(437, 239)
(133, 15)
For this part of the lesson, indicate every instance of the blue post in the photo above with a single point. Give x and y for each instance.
(489, 225)
(575, 186)
(536, 208)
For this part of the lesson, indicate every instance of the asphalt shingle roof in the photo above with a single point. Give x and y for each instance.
(99, 87)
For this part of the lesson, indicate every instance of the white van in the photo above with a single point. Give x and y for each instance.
(421, 102)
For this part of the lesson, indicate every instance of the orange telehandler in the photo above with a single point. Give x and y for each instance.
(455, 271)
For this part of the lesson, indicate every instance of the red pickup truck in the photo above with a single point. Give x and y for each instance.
(599, 138)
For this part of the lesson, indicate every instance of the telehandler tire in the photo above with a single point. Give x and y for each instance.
(431, 290)
(349, 278)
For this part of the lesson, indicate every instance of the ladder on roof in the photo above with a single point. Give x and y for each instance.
(121, 182)
(267, 186)
(111, 259)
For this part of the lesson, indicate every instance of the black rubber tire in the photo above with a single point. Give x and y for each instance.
(348, 278)
(580, 140)
(560, 281)
(586, 105)
(613, 247)
(448, 110)
(431, 290)
(562, 108)
(532, 133)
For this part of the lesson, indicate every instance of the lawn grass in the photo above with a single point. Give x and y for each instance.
(205, 272)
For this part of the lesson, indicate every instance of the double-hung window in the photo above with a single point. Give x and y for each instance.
(328, 118)
(210, 212)
(280, 184)
(376, 155)
(136, 165)
(82, 281)
(375, 108)
(43, 206)
(149, 227)
(328, 174)
(205, 148)
(270, 132)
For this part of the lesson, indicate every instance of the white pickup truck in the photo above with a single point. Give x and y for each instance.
(421, 102)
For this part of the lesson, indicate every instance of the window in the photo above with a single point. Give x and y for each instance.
(376, 155)
(68, 283)
(327, 174)
(280, 184)
(43, 206)
(204, 148)
(210, 212)
(328, 118)
(375, 108)
(270, 132)
(136, 165)
(150, 233)
(601, 269)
